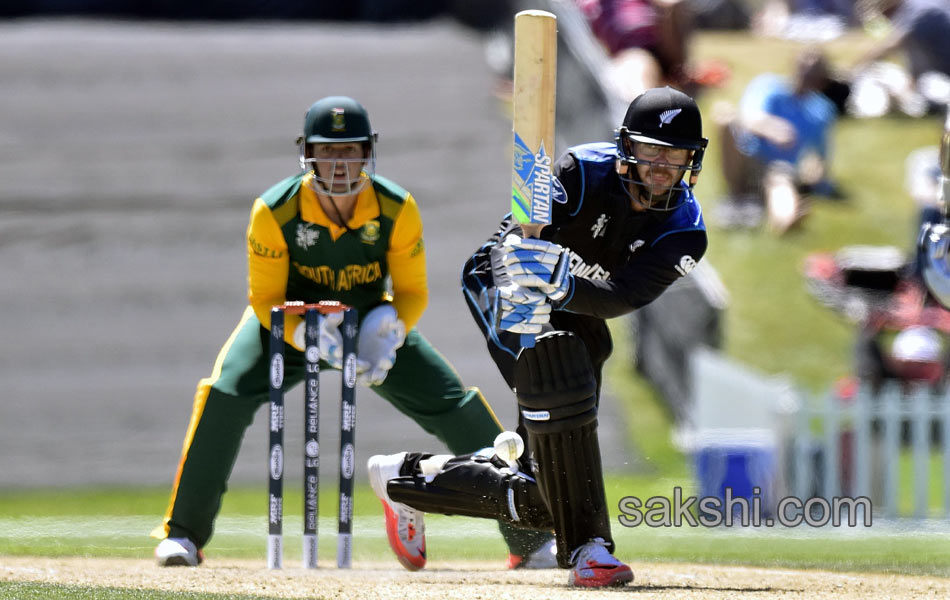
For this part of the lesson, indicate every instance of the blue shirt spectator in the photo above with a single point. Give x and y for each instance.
(810, 114)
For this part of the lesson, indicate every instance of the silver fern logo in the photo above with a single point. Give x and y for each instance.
(667, 116)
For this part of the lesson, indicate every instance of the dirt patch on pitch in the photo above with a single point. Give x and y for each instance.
(448, 581)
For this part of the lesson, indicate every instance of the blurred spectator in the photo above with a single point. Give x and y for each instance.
(805, 20)
(648, 42)
(776, 147)
(920, 33)
(720, 14)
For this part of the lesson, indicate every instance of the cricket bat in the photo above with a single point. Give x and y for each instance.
(535, 74)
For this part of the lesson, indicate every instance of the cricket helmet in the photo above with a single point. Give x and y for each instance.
(661, 117)
(338, 120)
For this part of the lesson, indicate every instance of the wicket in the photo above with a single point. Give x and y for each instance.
(311, 312)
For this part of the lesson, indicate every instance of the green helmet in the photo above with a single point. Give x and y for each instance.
(337, 119)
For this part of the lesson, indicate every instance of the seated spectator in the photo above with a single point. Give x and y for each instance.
(776, 148)
(920, 34)
(648, 43)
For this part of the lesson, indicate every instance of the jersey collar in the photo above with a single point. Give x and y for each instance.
(367, 208)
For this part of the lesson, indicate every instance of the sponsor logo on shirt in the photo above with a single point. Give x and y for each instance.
(558, 194)
(579, 268)
(262, 250)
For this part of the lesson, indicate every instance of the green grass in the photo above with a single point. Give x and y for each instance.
(935, 481)
(105, 523)
(42, 591)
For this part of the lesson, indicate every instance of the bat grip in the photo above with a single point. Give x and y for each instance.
(530, 230)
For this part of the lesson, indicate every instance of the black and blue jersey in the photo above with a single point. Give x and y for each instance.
(621, 258)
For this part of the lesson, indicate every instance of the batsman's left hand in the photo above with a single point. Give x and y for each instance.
(521, 310)
(381, 334)
(538, 265)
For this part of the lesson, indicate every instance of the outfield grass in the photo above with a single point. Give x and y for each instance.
(115, 523)
(42, 591)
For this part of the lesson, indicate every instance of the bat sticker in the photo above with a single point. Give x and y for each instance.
(531, 189)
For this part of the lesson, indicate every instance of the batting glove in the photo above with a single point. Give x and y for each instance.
(381, 334)
(521, 310)
(331, 340)
(538, 265)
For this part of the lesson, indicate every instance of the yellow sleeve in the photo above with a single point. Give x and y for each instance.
(407, 264)
(268, 265)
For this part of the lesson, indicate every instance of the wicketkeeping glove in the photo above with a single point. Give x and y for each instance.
(521, 310)
(331, 340)
(381, 334)
(538, 265)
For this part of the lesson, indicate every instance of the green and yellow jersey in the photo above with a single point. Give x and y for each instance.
(295, 252)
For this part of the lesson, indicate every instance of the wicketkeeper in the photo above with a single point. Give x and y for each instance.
(334, 231)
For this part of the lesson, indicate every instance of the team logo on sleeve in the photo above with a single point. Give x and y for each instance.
(686, 265)
(306, 236)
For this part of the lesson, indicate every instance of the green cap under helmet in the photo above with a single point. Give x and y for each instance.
(337, 119)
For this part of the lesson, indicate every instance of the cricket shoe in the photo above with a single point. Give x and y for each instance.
(405, 526)
(178, 552)
(595, 567)
(544, 557)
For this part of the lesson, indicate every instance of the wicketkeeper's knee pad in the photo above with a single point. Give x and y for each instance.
(557, 397)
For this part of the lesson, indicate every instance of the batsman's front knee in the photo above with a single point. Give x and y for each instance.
(555, 384)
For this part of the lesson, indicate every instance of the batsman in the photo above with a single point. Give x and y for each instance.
(624, 226)
(334, 231)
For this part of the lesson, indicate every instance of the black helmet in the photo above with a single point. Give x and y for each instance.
(337, 119)
(664, 117)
